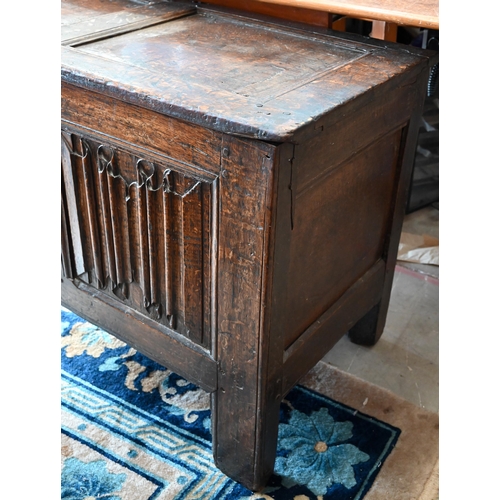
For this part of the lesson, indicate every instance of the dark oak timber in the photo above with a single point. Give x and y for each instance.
(240, 417)
(233, 190)
(158, 343)
(371, 326)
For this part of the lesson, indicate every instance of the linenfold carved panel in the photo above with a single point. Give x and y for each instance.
(139, 231)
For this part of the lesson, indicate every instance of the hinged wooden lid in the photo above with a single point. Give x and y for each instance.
(235, 74)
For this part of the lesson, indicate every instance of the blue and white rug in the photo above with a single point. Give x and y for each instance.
(134, 430)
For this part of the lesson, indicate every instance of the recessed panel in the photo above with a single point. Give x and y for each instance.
(139, 231)
(340, 225)
(213, 53)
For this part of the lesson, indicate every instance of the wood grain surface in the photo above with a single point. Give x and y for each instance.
(89, 20)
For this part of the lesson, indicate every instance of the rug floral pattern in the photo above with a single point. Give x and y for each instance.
(132, 429)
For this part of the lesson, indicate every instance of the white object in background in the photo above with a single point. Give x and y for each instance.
(421, 249)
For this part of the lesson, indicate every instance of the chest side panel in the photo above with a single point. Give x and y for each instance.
(339, 230)
(343, 190)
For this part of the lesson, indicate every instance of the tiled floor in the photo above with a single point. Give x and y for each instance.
(406, 358)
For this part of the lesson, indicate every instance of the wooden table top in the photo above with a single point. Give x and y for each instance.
(419, 13)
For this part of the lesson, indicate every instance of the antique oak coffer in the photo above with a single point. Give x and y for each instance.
(233, 192)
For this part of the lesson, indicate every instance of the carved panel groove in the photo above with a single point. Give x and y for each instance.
(139, 231)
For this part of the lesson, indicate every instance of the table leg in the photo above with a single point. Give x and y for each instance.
(249, 353)
(245, 436)
(368, 330)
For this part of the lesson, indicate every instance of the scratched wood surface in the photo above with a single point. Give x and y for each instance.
(75, 11)
(214, 70)
(88, 20)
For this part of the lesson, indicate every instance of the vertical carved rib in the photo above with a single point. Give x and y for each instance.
(104, 158)
(153, 250)
(156, 235)
(214, 239)
(85, 165)
(65, 244)
(206, 265)
(142, 213)
(168, 230)
(118, 195)
(191, 242)
(70, 189)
